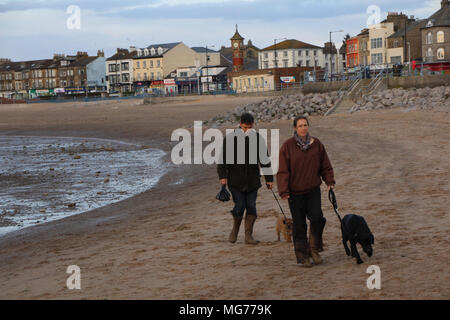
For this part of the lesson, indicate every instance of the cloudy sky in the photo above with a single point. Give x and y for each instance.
(35, 29)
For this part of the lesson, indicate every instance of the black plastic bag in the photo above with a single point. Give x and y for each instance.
(223, 194)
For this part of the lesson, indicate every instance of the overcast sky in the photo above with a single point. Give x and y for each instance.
(37, 29)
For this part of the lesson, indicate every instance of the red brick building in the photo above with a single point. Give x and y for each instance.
(352, 52)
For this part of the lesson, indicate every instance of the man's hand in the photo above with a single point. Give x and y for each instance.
(223, 181)
(330, 187)
(286, 197)
(269, 185)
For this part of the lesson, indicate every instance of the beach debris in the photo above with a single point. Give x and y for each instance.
(43, 210)
(106, 180)
(77, 157)
(72, 205)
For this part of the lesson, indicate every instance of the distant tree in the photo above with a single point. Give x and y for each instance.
(346, 37)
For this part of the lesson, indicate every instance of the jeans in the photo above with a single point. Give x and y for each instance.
(306, 206)
(243, 201)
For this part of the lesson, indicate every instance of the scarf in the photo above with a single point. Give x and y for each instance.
(304, 145)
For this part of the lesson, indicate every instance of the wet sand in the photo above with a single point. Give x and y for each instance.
(170, 242)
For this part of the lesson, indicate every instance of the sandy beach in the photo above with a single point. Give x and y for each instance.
(170, 242)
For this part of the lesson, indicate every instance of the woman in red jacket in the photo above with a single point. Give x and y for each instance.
(303, 164)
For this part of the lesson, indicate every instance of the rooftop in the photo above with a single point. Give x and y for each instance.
(292, 44)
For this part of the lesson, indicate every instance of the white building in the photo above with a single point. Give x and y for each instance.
(291, 53)
(378, 34)
(119, 71)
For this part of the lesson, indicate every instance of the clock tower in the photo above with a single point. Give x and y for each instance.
(237, 47)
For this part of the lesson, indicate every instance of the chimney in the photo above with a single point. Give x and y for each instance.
(81, 54)
(445, 3)
(100, 53)
(132, 48)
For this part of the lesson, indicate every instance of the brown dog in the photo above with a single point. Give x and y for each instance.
(284, 226)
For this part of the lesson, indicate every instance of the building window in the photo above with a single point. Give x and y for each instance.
(145, 64)
(376, 43)
(138, 65)
(307, 53)
(377, 58)
(430, 54)
(262, 82)
(300, 63)
(266, 65)
(151, 63)
(440, 54)
(266, 55)
(440, 37)
(158, 63)
(256, 83)
(299, 53)
(315, 53)
(125, 66)
(429, 38)
(285, 64)
(316, 63)
(285, 53)
(125, 77)
(307, 63)
(152, 76)
(395, 44)
(396, 59)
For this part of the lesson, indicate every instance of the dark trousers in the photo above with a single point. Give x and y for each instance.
(243, 201)
(307, 206)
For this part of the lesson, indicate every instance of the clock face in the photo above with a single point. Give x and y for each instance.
(235, 44)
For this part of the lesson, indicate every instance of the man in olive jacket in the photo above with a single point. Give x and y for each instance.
(242, 175)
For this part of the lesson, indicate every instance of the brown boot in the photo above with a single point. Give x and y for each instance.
(316, 234)
(302, 253)
(234, 232)
(303, 259)
(315, 240)
(316, 257)
(249, 222)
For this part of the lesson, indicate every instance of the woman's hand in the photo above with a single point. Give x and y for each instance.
(330, 187)
(223, 181)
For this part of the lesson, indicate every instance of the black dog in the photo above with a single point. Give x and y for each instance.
(355, 229)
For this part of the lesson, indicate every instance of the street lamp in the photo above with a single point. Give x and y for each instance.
(207, 70)
(276, 58)
(331, 64)
(409, 56)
